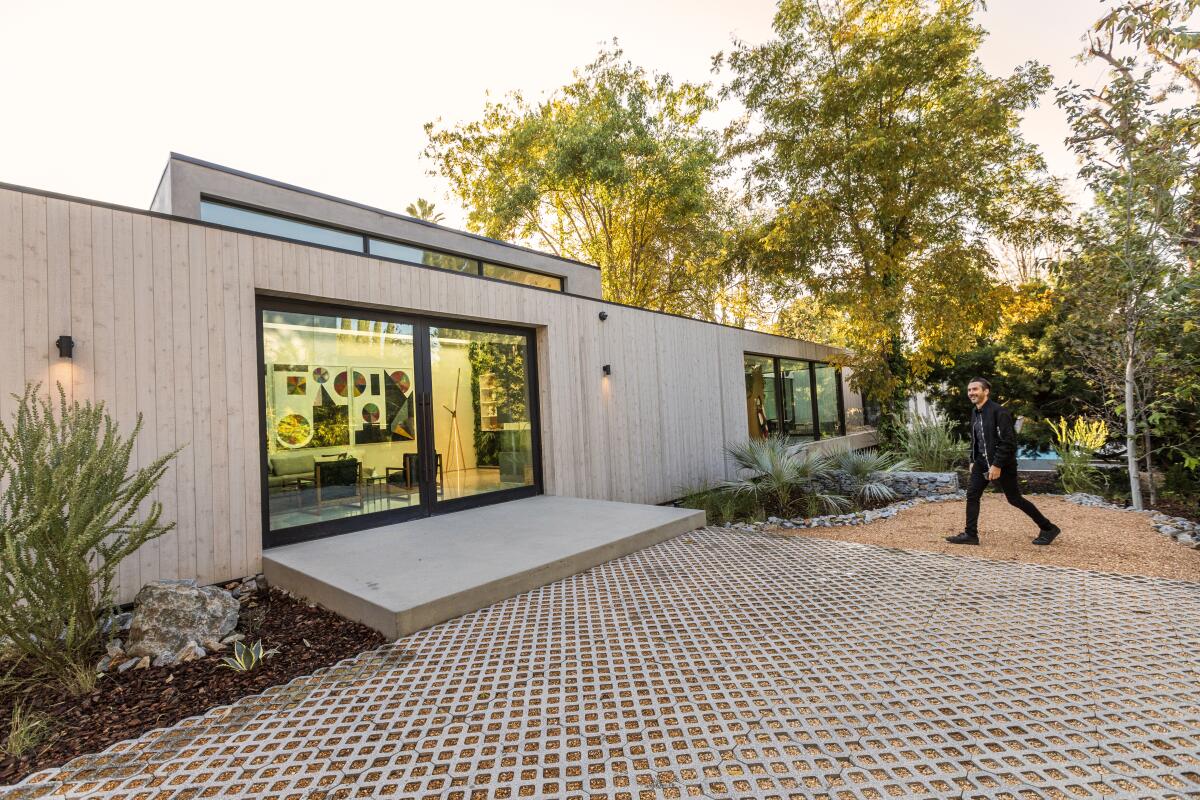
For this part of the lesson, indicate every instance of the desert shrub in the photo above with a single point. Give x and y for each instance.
(929, 443)
(782, 477)
(69, 515)
(1076, 444)
(861, 467)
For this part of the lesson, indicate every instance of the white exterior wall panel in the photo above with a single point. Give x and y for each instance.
(162, 313)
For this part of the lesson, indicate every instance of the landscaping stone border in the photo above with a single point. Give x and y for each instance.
(851, 518)
(907, 483)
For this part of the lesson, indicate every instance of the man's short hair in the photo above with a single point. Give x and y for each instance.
(983, 381)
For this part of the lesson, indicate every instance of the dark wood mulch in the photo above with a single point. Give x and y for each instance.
(126, 705)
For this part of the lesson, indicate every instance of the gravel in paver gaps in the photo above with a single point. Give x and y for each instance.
(1092, 538)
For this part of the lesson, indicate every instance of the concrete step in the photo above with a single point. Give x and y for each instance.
(403, 577)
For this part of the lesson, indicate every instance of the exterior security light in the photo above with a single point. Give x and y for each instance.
(603, 316)
(66, 345)
(607, 369)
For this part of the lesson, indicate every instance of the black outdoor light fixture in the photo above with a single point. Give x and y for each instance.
(607, 369)
(603, 316)
(66, 346)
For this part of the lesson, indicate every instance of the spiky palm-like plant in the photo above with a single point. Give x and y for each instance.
(862, 467)
(782, 475)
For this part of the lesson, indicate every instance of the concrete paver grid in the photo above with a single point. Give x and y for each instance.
(726, 665)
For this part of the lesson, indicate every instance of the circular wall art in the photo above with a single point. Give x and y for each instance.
(400, 378)
(320, 374)
(370, 413)
(360, 384)
(294, 430)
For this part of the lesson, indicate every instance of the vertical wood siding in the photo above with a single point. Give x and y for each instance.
(162, 313)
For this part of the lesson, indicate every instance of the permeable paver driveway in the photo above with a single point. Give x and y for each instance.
(724, 664)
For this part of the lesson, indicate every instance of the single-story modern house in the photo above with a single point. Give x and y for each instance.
(328, 367)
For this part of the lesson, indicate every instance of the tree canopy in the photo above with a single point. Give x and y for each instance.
(614, 169)
(892, 160)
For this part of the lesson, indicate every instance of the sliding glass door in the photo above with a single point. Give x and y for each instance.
(371, 418)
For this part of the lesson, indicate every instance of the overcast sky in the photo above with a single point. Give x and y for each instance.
(333, 96)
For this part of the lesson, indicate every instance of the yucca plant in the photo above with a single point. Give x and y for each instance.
(861, 468)
(71, 511)
(1076, 444)
(781, 476)
(245, 659)
(929, 443)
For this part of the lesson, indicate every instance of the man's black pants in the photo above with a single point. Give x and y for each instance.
(1008, 482)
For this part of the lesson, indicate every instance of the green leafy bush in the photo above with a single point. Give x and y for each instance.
(782, 477)
(69, 515)
(929, 443)
(720, 507)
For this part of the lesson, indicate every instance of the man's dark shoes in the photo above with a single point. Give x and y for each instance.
(1047, 536)
(963, 538)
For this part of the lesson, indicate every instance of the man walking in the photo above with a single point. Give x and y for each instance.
(994, 458)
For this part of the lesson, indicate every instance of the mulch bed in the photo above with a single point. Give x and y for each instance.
(126, 705)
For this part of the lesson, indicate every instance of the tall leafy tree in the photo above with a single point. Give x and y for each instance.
(615, 169)
(1133, 276)
(894, 163)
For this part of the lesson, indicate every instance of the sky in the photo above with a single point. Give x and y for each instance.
(334, 96)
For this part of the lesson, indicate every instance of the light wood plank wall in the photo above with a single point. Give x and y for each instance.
(162, 313)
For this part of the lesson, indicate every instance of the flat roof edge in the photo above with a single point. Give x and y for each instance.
(14, 187)
(333, 198)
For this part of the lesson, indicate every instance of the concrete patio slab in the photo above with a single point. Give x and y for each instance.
(401, 578)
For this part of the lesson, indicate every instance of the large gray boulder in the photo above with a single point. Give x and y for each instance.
(167, 615)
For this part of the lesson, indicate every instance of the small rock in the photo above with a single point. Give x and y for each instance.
(233, 637)
(164, 660)
(231, 586)
(115, 648)
(212, 645)
(1186, 538)
(250, 586)
(124, 621)
(104, 663)
(143, 663)
(127, 664)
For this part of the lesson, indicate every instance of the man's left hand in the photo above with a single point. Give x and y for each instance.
(993, 473)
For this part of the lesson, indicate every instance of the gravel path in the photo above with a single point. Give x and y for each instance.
(1092, 538)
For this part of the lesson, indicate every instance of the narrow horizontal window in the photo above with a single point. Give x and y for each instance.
(259, 222)
(416, 255)
(514, 275)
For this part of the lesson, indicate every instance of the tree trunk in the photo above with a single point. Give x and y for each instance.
(1135, 487)
(1149, 468)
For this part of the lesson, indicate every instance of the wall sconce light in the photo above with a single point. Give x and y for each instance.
(603, 316)
(606, 369)
(66, 346)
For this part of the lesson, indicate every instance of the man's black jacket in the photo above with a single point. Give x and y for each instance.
(999, 435)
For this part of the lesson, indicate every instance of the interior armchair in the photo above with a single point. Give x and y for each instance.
(338, 480)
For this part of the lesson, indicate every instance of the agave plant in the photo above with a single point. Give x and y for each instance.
(245, 659)
(862, 467)
(780, 474)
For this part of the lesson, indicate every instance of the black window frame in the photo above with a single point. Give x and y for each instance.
(365, 247)
(812, 384)
(429, 507)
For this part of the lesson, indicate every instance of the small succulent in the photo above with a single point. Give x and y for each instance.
(245, 659)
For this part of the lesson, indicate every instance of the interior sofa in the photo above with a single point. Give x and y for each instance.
(283, 468)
